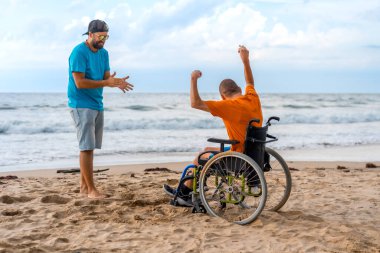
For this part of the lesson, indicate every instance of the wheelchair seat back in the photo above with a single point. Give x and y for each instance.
(254, 145)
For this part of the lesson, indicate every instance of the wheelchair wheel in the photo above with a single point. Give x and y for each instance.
(278, 179)
(232, 186)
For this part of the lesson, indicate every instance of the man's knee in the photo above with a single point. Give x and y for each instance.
(87, 151)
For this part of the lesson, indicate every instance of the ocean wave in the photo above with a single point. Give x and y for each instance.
(299, 106)
(7, 108)
(26, 127)
(4, 129)
(112, 124)
(32, 107)
(141, 108)
(324, 142)
(151, 149)
(164, 124)
(329, 119)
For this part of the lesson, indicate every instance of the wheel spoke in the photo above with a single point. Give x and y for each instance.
(278, 180)
(225, 178)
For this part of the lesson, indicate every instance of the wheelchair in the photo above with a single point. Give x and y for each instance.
(239, 186)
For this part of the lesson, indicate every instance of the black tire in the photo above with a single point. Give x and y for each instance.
(279, 181)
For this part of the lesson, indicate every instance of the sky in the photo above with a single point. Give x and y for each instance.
(295, 46)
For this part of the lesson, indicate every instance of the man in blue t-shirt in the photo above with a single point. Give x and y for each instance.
(89, 72)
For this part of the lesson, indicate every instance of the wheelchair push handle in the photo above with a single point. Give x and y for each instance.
(272, 118)
(254, 120)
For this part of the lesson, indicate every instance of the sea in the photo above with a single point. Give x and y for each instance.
(36, 129)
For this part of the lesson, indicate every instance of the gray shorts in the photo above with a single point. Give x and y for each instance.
(89, 125)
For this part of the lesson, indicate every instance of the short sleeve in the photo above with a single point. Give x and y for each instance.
(220, 109)
(107, 66)
(77, 62)
(250, 90)
(213, 107)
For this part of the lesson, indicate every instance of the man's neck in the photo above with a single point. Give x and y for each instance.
(234, 96)
(93, 49)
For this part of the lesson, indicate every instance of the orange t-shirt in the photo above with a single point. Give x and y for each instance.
(236, 113)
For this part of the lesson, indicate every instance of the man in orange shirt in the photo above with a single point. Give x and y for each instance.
(235, 109)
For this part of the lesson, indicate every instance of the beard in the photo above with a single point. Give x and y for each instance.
(98, 44)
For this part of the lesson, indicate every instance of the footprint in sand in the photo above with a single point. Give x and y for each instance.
(138, 217)
(178, 231)
(291, 215)
(312, 218)
(61, 240)
(127, 196)
(31, 211)
(36, 237)
(10, 200)
(7, 199)
(60, 215)
(11, 212)
(142, 203)
(80, 203)
(297, 215)
(172, 181)
(55, 199)
(97, 202)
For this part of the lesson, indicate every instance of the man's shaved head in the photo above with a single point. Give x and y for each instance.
(228, 88)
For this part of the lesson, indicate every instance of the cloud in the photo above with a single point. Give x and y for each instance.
(208, 39)
(171, 34)
(325, 37)
(73, 23)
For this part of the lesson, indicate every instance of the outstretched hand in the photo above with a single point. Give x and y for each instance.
(125, 86)
(121, 83)
(244, 53)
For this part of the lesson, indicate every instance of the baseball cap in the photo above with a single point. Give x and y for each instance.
(97, 26)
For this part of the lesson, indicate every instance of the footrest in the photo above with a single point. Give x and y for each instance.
(175, 203)
(200, 209)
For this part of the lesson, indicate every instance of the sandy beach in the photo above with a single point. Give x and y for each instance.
(330, 209)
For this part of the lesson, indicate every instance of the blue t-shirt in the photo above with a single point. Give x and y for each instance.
(93, 65)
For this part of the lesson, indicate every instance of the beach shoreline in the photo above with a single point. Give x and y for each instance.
(330, 209)
(175, 166)
(359, 153)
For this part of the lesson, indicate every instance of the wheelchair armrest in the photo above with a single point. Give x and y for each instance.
(266, 141)
(215, 140)
(222, 142)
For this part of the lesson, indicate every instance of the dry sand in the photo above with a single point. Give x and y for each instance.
(329, 210)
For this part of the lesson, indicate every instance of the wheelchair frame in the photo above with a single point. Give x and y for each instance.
(232, 187)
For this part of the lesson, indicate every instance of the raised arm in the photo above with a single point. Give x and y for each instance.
(195, 99)
(244, 55)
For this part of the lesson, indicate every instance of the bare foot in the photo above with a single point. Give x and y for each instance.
(83, 191)
(95, 195)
